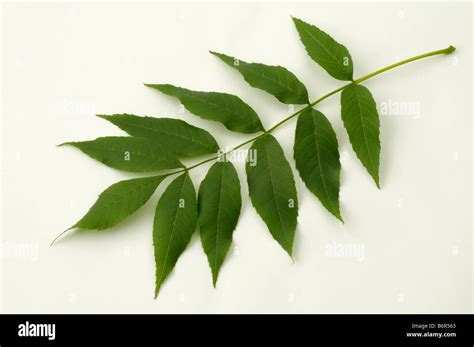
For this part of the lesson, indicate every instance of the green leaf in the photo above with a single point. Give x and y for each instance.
(361, 120)
(118, 202)
(173, 134)
(219, 209)
(272, 190)
(174, 224)
(317, 158)
(276, 80)
(228, 109)
(324, 50)
(132, 154)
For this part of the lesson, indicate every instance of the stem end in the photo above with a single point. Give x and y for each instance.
(450, 50)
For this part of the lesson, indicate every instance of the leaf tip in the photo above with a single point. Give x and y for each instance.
(154, 86)
(298, 22)
(217, 54)
(157, 290)
(59, 236)
(336, 212)
(289, 251)
(225, 58)
(376, 180)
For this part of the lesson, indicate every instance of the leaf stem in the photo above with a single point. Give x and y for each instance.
(447, 50)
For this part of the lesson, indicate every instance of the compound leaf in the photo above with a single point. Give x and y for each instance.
(132, 154)
(173, 134)
(228, 109)
(317, 158)
(174, 224)
(118, 202)
(276, 80)
(219, 206)
(272, 190)
(361, 120)
(324, 50)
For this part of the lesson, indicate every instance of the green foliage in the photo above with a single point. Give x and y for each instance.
(272, 190)
(219, 209)
(317, 158)
(118, 202)
(361, 120)
(175, 222)
(132, 154)
(173, 134)
(276, 80)
(324, 50)
(228, 109)
(155, 143)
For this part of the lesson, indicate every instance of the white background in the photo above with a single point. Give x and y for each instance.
(63, 63)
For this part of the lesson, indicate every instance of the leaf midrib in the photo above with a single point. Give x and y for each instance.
(172, 233)
(363, 131)
(233, 110)
(261, 74)
(273, 188)
(321, 44)
(153, 129)
(218, 219)
(133, 151)
(122, 197)
(319, 165)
